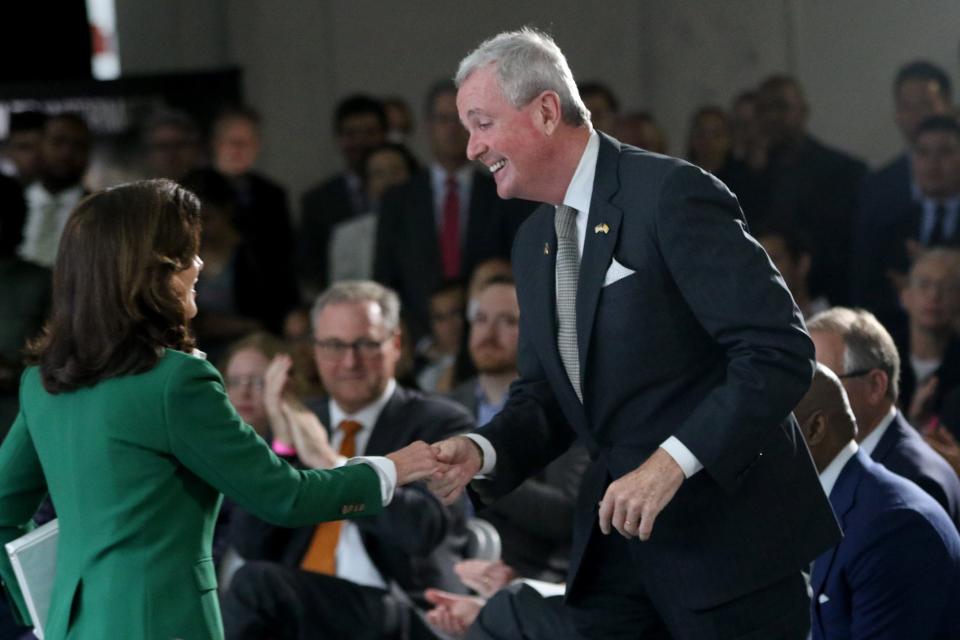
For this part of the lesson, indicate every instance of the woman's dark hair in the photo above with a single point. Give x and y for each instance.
(114, 306)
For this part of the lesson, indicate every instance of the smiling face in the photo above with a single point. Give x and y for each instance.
(512, 143)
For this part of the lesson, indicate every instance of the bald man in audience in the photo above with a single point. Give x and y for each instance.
(896, 573)
(855, 346)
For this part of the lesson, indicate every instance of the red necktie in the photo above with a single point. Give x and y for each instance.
(321, 556)
(450, 230)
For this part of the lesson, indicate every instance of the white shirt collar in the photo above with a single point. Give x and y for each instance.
(368, 416)
(37, 194)
(829, 476)
(580, 189)
(439, 175)
(869, 443)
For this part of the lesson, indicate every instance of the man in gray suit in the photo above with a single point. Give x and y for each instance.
(656, 332)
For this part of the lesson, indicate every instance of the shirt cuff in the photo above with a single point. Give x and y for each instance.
(386, 472)
(489, 454)
(682, 456)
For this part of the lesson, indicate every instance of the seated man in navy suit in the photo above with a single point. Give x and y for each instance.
(896, 573)
(863, 355)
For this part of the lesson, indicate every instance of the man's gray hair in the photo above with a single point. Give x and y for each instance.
(528, 62)
(867, 344)
(348, 291)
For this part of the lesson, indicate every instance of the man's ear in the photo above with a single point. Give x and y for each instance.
(814, 429)
(548, 113)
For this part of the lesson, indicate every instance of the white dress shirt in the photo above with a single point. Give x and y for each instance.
(578, 196)
(47, 215)
(353, 561)
(870, 442)
(829, 476)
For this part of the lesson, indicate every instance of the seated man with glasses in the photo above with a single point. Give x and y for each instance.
(855, 346)
(362, 580)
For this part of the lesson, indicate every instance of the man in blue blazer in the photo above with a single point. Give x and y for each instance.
(654, 330)
(855, 346)
(896, 573)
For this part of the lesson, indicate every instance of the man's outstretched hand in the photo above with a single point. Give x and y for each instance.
(462, 460)
(632, 502)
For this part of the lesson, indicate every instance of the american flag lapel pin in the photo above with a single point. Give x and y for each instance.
(603, 227)
(546, 248)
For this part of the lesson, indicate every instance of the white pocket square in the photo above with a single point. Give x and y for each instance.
(616, 272)
(823, 599)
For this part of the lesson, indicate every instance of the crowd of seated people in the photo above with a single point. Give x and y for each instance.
(383, 311)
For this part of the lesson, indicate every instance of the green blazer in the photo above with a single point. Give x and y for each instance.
(135, 467)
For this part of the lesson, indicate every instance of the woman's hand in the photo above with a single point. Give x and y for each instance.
(415, 461)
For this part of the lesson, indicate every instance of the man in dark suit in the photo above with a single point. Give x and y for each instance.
(261, 214)
(896, 573)
(932, 219)
(445, 220)
(360, 124)
(655, 331)
(855, 346)
(921, 89)
(364, 580)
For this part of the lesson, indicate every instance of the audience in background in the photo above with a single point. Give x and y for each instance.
(58, 188)
(171, 142)
(359, 124)
(447, 218)
(438, 351)
(931, 219)
(640, 129)
(789, 252)
(21, 150)
(261, 215)
(709, 142)
(930, 346)
(244, 375)
(856, 347)
(921, 89)
(806, 184)
(896, 572)
(400, 121)
(24, 300)
(353, 241)
(603, 105)
(351, 579)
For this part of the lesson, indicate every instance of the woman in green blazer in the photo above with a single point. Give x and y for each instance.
(134, 438)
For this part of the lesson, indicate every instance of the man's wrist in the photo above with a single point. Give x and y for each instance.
(478, 449)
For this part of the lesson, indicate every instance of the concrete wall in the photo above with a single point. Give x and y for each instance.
(669, 56)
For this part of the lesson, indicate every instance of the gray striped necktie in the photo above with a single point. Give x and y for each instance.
(568, 266)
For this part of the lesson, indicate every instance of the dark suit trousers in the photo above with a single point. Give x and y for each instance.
(621, 601)
(269, 600)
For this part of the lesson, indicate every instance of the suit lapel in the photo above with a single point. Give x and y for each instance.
(842, 499)
(424, 222)
(889, 439)
(603, 229)
(383, 440)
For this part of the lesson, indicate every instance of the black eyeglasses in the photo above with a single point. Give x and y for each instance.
(334, 349)
(856, 374)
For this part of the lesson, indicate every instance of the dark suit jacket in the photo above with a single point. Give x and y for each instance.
(535, 520)
(903, 451)
(322, 208)
(816, 189)
(407, 255)
(896, 573)
(886, 195)
(415, 541)
(702, 342)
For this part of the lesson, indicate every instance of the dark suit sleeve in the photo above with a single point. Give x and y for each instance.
(416, 522)
(899, 578)
(740, 300)
(386, 268)
(22, 487)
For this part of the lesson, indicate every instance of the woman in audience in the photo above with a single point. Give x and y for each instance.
(243, 370)
(710, 141)
(134, 437)
(352, 242)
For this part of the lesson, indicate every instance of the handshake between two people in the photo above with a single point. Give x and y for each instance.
(447, 466)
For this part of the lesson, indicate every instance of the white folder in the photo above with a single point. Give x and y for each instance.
(34, 560)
